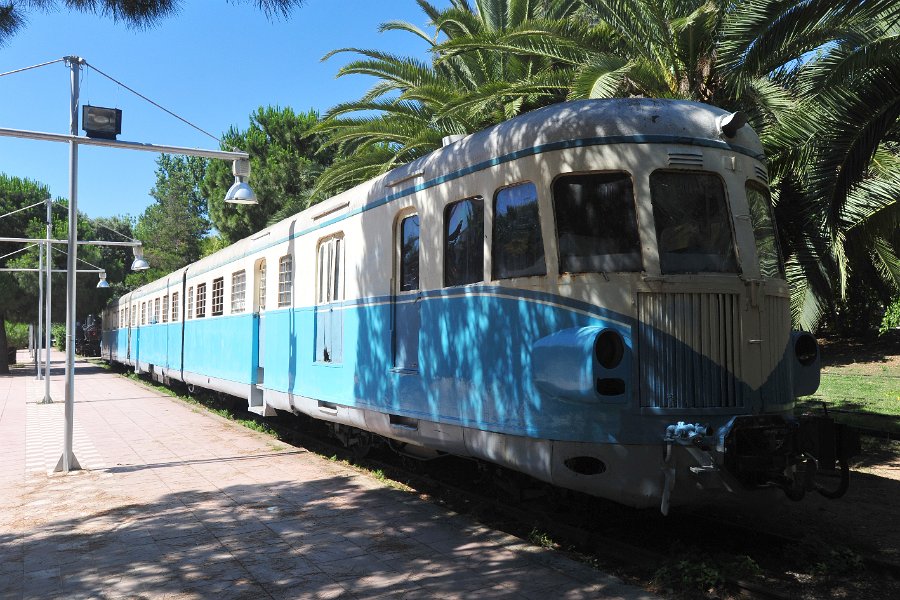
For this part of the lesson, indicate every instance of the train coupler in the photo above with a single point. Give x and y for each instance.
(763, 451)
(693, 438)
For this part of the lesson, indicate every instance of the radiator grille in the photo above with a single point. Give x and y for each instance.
(689, 347)
(775, 329)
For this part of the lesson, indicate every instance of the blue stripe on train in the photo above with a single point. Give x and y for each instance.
(474, 355)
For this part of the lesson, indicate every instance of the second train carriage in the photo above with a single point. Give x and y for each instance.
(590, 293)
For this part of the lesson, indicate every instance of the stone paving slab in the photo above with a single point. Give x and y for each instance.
(177, 503)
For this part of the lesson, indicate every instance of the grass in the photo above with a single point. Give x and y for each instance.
(863, 399)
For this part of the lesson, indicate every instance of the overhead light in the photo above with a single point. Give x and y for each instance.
(99, 122)
(102, 283)
(139, 263)
(240, 192)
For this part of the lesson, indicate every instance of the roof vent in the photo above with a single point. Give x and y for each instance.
(451, 139)
(685, 158)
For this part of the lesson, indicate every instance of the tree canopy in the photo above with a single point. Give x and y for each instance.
(286, 157)
(172, 229)
(820, 81)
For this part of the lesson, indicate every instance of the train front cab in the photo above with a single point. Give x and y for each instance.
(717, 365)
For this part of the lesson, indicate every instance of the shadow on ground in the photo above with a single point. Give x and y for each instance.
(838, 352)
(321, 538)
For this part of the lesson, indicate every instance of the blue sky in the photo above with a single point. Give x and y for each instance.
(212, 64)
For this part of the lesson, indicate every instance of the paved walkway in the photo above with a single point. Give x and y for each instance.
(175, 502)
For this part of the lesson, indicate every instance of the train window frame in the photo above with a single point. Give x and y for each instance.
(156, 303)
(630, 261)
(538, 267)
(174, 307)
(143, 313)
(134, 314)
(200, 301)
(330, 290)
(261, 288)
(285, 280)
(165, 308)
(239, 291)
(474, 275)
(765, 264)
(406, 282)
(330, 269)
(218, 297)
(676, 267)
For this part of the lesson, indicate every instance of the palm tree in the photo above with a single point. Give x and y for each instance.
(818, 78)
(415, 103)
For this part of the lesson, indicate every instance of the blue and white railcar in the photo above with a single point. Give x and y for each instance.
(590, 293)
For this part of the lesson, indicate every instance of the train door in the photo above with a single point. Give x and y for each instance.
(407, 295)
(129, 320)
(259, 307)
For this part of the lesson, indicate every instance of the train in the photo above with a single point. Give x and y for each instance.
(87, 336)
(590, 293)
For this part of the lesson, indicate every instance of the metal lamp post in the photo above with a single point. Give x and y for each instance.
(239, 193)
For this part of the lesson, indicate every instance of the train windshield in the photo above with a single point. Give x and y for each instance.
(693, 227)
(596, 223)
(770, 264)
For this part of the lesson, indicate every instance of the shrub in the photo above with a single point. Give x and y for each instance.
(17, 335)
(891, 319)
(59, 333)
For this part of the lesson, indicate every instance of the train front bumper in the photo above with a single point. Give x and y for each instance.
(766, 451)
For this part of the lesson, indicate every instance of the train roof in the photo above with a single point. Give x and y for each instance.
(614, 120)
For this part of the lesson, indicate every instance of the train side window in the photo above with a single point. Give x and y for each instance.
(238, 291)
(261, 287)
(134, 308)
(693, 229)
(200, 308)
(596, 224)
(143, 313)
(464, 242)
(285, 280)
(330, 281)
(174, 306)
(409, 253)
(165, 308)
(155, 311)
(517, 249)
(770, 264)
(218, 296)
(190, 303)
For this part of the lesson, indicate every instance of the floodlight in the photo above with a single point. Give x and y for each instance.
(139, 263)
(240, 192)
(103, 283)
(99, 122)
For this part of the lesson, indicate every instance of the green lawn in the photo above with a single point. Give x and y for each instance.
(861, 394)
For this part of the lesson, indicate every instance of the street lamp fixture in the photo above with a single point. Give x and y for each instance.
(240, 192)
(103, 283)
(139, 263)
(99, 122)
